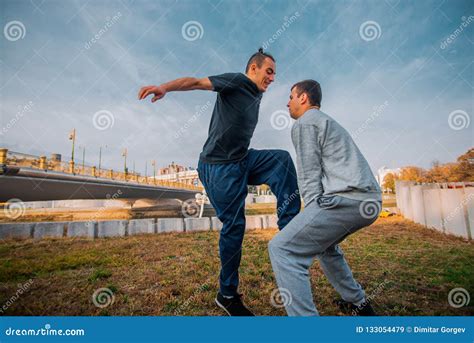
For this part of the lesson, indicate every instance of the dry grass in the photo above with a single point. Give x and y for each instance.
(176, 274)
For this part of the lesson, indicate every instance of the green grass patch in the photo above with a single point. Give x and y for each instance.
(409, 269)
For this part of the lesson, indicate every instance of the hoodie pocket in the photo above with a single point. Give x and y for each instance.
(328, 202)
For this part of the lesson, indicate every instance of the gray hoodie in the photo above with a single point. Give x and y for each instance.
(328, 161)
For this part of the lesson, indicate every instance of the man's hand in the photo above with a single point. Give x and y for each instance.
(158, 92)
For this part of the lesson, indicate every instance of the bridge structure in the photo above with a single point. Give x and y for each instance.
(34, 178)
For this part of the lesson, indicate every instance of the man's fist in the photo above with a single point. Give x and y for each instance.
(157, 91)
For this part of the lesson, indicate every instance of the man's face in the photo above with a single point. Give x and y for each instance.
(265, 74)
(294, 104)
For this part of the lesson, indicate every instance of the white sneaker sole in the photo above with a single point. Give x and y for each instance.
(221, 306)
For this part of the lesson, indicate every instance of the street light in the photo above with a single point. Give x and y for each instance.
(83, 157)
(100, 157)
(124, 154)
(146, 172)
(72, 137)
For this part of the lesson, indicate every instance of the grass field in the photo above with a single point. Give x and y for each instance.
(407, 269)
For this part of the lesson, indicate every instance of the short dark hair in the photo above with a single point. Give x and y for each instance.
(258, 58)
(312, 89)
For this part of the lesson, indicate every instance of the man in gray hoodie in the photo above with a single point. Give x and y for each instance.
(340, 195)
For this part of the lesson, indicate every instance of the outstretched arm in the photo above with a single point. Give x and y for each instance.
(181, 84)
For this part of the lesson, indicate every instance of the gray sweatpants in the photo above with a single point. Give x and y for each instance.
(316, 232)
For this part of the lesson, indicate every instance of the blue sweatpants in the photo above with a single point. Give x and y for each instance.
(226, 186)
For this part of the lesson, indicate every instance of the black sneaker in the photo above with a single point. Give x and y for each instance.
(364, 309)
(233, 306)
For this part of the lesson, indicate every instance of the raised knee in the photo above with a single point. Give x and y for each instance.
(275, 246)
(283, 155)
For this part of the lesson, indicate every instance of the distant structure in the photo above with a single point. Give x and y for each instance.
(172, 169)
(382, 172)
(176, 173)
(187, 175)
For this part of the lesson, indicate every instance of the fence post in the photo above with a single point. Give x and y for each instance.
(71, 167)
(3, 156)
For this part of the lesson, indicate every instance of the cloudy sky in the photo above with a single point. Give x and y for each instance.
(397, 74)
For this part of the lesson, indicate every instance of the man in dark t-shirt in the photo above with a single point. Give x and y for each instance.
(234, 118)
(227, 166)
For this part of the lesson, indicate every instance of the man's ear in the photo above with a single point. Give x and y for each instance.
(303, 98)
(253, 67)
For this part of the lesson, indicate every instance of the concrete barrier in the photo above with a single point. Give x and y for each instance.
(433, 209)
(418, 206)
(170, 225)
(86, 203)
(216, 224)
(469, 200)
(114, 228)
(120, 228)
(141, 226)
(82, 229)
(270, 222)
(91, 203)
(454, 218)
(449, 210)
(253, 222)
(16, 230)
(265, 199)
(197, 224)
(404, 200)
(49, 229)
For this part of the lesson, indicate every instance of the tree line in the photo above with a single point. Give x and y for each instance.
(460, 171)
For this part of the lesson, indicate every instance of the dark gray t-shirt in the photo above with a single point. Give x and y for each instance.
(234, 118)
